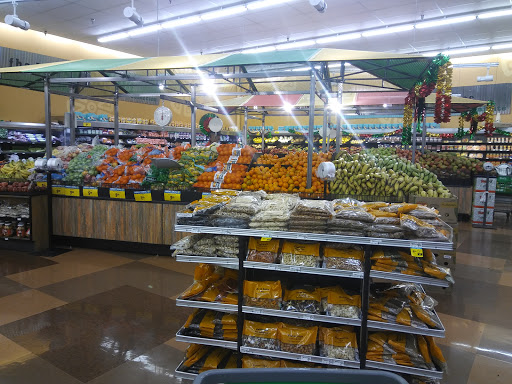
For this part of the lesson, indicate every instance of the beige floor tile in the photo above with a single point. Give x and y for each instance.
(25, 304)
(488, 370)
(506, 279)
(10, 352)
(480, 261)
(461, 333)
(70, 265)
(177, 344)
(168, 262)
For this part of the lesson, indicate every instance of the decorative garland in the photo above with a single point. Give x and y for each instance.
(408, 118)
(443, 105)
(205, 121)
(489, 118)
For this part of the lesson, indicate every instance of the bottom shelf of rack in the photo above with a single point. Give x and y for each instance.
(404, 369)
(300, 357)
(180, 336)
(179, 373)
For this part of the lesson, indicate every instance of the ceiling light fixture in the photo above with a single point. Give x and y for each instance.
(489, 15)
(320, 5)
(502, 46)
(115, 36)
(132, 14)
(269, 48)
(459, 51)
(144, 30)
(14, 21)
(296, 44)
(181, 22)
(228, 11)
(287, 107)
(332, 39)
(388, 30)
(265, 3)
(445, 21)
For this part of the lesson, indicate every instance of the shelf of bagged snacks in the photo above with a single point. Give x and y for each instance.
(384, 325)
(227, 262)
(395, 276)
(303, 269)
(207, 305)
(301, 316)
(181, 336)
(301, 357)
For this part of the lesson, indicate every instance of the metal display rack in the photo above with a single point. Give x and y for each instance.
(180, 336)
(365, 277)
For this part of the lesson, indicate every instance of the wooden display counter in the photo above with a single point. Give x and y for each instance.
(123, 220)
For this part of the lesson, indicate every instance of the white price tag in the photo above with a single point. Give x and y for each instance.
(236, 152)
(416, 245)
(184, 214)
(447, 257)
(374, 242)
(216, 185)
(232, 159)
(219, 176)
(244, 349)
(228, 167)
(307, 317)
(327, 361)
(305, 358)
(294, 269)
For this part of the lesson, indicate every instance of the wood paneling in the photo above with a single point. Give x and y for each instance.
(39, 206)
(169, 217)
(465, 196)
(115, 220)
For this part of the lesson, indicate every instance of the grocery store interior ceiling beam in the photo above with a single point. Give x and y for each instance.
(188, 103)
(79, 96)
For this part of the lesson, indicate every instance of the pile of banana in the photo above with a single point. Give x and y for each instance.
(365, 174)
(19, 170)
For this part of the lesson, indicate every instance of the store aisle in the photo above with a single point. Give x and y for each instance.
(103, 317)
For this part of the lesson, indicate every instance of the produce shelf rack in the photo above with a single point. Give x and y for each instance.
(300, 357)
(365, 278)
(180, 336)
(179, 373)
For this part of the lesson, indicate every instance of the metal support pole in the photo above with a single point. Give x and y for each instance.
(262, 133)
(325, 130)
(244, 133)
(48, 117)
(311, 131)
(340, 99)
(414, 129)
(72, 120)
(116, 117)
(424, 134)
(193, 114)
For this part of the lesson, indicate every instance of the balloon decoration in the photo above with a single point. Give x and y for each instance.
(204, 123)
(438, 73)
(443, 103)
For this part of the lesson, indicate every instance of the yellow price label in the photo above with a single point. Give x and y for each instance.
(73, 191)
(172, 196)
(416, 252)
(142, 196)
(266, 238)
(90, 191)
(58, 190)
(117, 193)
(42, 184)
(87, 125)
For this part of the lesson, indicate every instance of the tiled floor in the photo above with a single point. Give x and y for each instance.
(103, 317)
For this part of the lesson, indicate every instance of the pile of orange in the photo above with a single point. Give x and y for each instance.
(287, 174)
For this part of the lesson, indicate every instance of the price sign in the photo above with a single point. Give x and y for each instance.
(58, 190)
(417, 252)
(228, 167)
(73, 191)
(219, 176)
(204, 194)
(90, 192)
(42, 184)
(215, 185)
(266, 238)
(117, 193)
(184, 214)
(232, 159)
(172, 195)
(142, 195)
(236, 152)
(87, 125)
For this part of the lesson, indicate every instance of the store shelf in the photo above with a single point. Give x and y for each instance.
(377, 325)
(227, 262)
(404, 369)
(300, 269)
(13, 152)
(112, 135)
(28, 126)
(447, 246)
(302, 316)
(231, 308)
(409, 278)
(179, 373)
(15, 239)
(205, 341)
(300, 357)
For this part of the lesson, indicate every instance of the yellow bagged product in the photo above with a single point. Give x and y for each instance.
(261, 335)
(338, 343)
(204, 275)
(305, 300)
(253, 362)
(341, 304)
(324, 293)
(264, 294)
(297, 339)
(436, 354)
(263, 251)
(303, 254)
(347, 259)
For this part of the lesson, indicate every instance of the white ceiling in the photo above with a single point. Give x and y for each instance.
(295, 20)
